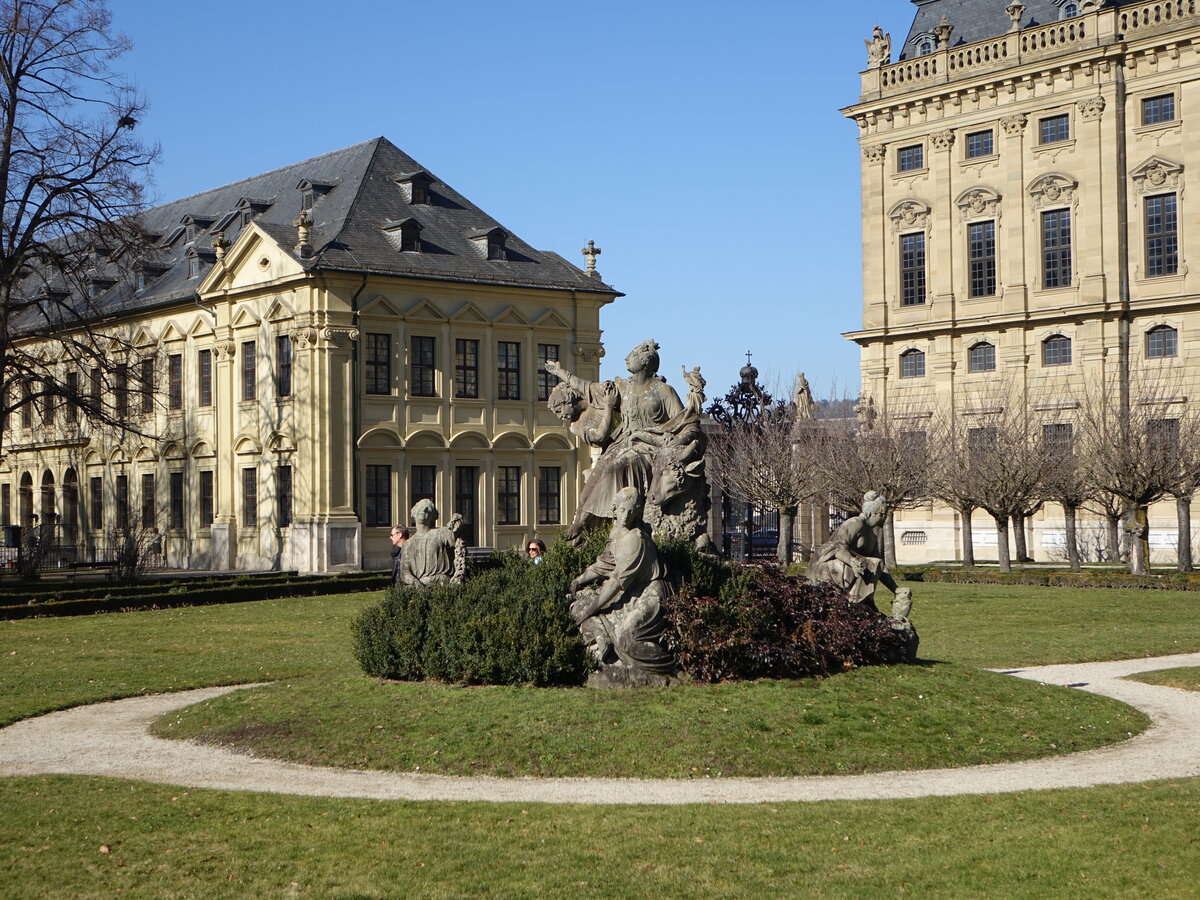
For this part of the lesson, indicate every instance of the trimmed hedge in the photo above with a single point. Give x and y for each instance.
(509, 624)
(193, 594)
(1094, 578)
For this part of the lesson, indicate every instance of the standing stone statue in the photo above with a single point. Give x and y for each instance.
(851, 558)
(621, 621)
(432, 555)
(806, 407)
(646, 435)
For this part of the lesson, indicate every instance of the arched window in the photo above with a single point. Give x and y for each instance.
(25, 494)
(49, 506)
(1069, 10)
(982, 358)
(925, 47)
(1056, 351)
(1162, 341)
(912, 364)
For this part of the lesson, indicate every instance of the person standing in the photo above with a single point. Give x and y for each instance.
(399, 535)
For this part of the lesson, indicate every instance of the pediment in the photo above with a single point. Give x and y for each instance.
(380, 306)
(200, 327)
(1157, 174)
(426, 310)
(201, 450)
(172, 333)
(909, 214)
(470, 314)
(977, 202)
(426, 440)
(244, 316)
(552, 442)
(143, 338)
(280, 443)
(552, 320)
(173, 451)
(1053, 189)
(469, 440)
(146, 453)
(511, 441)
(381, 439)
(279, 311)
(246, 444)
(510, 315)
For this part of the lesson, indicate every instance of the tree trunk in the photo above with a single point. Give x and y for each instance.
(1138, 528)
(1072, 539)
(1018, 526)
(1002, 543)
(968, 538)
(889, 540)
(1183, 552)
(1113, 537)
(783, 552)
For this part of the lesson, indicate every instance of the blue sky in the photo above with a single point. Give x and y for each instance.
(699, 144)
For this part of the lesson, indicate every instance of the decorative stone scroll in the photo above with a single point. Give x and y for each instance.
(942, 140)
(1092, 108)
(1053, 189)
(909, 214)
(1014, 126)
(589, 352)
(1157, 174)
(978, 203)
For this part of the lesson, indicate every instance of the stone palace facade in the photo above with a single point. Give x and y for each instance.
(326, 344)
(1026, 217)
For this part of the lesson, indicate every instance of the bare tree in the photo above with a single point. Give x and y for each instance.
(71, 175)
(993, 461)
(768, 461)
(1140, 453)
(892, 456)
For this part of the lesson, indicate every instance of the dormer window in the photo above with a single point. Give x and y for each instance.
(416, 186)
(408, 232)
(490, 241)
(194, 226)
(148, 273)
(311, 192)
(1069, 11)
(193, 266)
(197, 257)
(246, 211)
(924, 44)
(97, 286)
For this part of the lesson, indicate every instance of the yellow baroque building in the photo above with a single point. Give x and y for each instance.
(324, 345)
(1026, 218)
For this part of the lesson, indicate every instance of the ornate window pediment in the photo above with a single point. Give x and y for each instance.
(979, 202)
(909, 215)
(1157, 174)
(1053, 189)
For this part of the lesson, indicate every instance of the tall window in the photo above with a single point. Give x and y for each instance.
(980, 143)
(912, 269)
(423, 370)
(176, 499)
(121, 390)
(981, 253)
(175, 381)
(981, 441)
(148, 501)
(72, 397)
(1056, 248)
(546, 381)
(283, 485)
(466, 368)
(1158, 109)
(6, 504)
(549, 495)
(283, 366)
(26, 404)
(912, 364)
(379, 363)
(96, 503)
(1059, 439)
(94, 386)
(910, 158)
(250, 497)
(1053, 129)
(1056, 351)
(49, 401)
(207, 499)
(1162, 236)
(249, 370)
(466, 487)
(204, 373)
(1162, 437)
(147, 379)
(122, 498)
(982, 358)
(422, 485)
(508, 364)
(508, 495)
(378, 510)
(1161, 342)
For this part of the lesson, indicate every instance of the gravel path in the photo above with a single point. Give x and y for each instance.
(111, 739)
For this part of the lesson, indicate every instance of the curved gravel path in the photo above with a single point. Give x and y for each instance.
(111, 739)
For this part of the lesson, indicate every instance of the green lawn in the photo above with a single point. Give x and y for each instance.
(1130, 842)
(1135, 841)
(1188, 679)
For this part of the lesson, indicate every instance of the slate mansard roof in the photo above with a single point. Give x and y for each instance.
(978, 20)
(360, 199)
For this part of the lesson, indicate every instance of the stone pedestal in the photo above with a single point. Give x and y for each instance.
(324, 547)
(223, 556)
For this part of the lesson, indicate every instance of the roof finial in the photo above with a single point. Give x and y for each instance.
(1015, 11)
(591, 251)
(303, 224)
(220, 243)
(942, 32)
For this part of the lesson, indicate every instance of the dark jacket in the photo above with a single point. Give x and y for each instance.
(397, 552)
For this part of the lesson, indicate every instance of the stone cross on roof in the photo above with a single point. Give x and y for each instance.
(591, 251)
